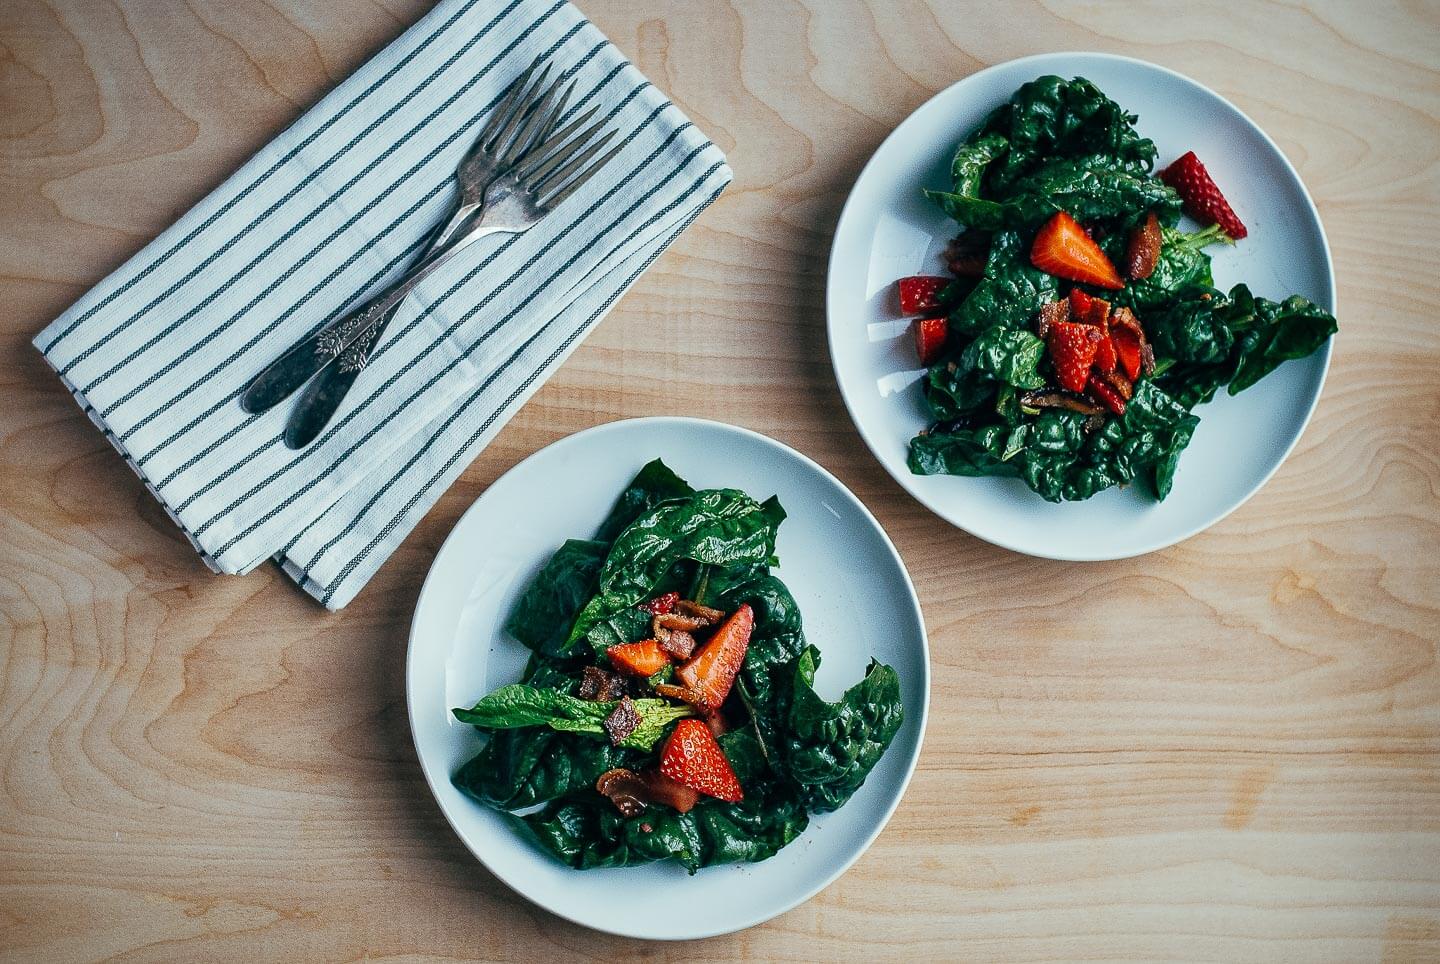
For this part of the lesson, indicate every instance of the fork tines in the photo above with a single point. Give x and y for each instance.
(521, 137)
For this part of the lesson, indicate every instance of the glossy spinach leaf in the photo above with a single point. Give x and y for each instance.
(521, 705)
(545, 611)
(1089, 189)
(1052, 117)
(1281, 331)
(1009, 294)
(1003, 354)
(722, 527)
(831, 747)
(587, 833)
(655, 483)
(983, 450)
(1183, 264)
(517, 769)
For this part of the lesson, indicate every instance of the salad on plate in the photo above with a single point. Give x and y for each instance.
(668, 708)
(1079, 326)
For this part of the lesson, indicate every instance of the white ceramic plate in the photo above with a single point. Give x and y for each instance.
(888, 230)
(853, 591)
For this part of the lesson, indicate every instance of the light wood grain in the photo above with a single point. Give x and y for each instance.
(1229, 750)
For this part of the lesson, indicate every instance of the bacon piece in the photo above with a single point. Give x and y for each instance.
(1052, 314)
(677, 643)
(600, 686)
(1142, 249)
(683, 623)
(622, 721)
(687, 607)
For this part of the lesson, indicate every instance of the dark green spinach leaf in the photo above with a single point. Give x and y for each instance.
(831, 747)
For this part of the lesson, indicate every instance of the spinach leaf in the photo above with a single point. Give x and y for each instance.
(1062, 463)
(723, 527)
(831, 747)
(951, 391)
(1293, 328)
(776, 640)
(543, 614)
(655, 483)
(517, 769)
(984, 450)
(1009, 355)
(1183, 264)
(589, 833)
(1235, 339)
(521, 705)
(1009, 294)
(1051, 117)
(1087, 188)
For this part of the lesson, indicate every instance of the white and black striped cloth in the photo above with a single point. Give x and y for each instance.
(336, 206)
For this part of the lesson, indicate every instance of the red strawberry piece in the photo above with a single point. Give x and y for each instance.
(710, 673)
(661, 605)
(1072, 349)
(1088, 310)
(930, 338)
(644, 658)
(1062, 248)
(1129, 340)
(921, 293)
(692, 758)
(1105, 395)
(1201, 196)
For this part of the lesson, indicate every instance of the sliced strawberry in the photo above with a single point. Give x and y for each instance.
(921, 293)
(1127, 351)
(710, 673)
(1129, 340)
(692, 758)
(644, 658)
(1072, 349)
(661, 605)
(1105, 395)
(930, 338)
(1062, 248)
(1201, 195)
(1088, 310)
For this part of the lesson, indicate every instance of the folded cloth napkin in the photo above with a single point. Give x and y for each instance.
(334, 208)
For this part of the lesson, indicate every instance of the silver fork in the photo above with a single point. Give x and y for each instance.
(519, 170)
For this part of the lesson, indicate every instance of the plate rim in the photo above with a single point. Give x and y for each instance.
(906, 480)
(801, 897)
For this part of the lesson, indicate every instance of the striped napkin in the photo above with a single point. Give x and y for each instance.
(334, 208)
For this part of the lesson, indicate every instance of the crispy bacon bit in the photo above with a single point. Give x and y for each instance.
(664, 790)
(1059, 398)
(965, 256)
(632, 792)
(1119, 382)
(598, 685)
(622, 721)
(1147, 357)
(625, 789)
(687, 607)
(686, 624)
(1052, 314)
(1142, 249)
(677, 643)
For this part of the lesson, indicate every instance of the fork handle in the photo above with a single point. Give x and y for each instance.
(323, 347)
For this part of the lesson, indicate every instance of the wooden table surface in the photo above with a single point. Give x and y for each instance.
(1226, 750)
